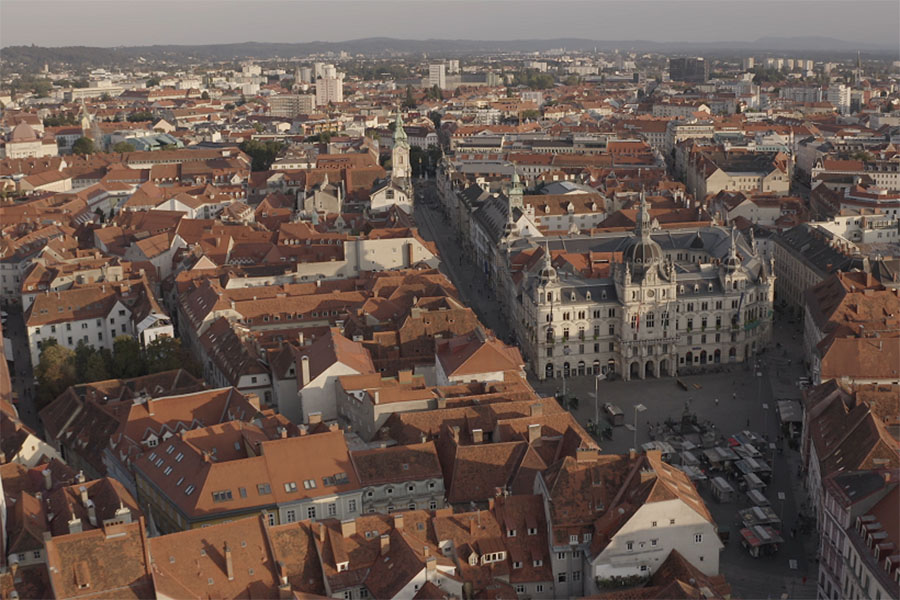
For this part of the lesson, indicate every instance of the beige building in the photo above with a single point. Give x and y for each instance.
(679, 299)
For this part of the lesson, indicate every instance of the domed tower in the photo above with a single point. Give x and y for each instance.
(643, 254)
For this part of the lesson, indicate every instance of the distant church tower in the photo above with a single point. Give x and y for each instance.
(90, 128)
(400, 168)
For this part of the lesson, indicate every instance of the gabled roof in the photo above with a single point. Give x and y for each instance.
(471, 355)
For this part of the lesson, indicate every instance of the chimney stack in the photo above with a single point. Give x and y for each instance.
(284, 587)
(398, 521)
(229, 562)
(385, 544)
(534, 432)
(348, 527)
(477, 436)
(80, 477)
(92, 513)
(48, 479)
(75, 525)
(82, 490)
(320, 531)
(315, 418)
(537, 409)
(304, 369)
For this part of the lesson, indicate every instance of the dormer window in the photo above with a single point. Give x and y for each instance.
(510, 533)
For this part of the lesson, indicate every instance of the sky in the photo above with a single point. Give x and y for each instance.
(147, 22)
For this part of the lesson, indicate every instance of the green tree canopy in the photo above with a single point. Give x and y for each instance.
(262, 153)
(164, 354)
(409, 101)
(83, 145)
(127, 359)
(55, 371)
(124, 147)
(435, 117)
(141, 115)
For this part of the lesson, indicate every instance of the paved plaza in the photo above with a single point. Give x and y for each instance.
(746, 401)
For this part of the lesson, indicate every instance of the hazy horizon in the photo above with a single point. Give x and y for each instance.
(110, 23)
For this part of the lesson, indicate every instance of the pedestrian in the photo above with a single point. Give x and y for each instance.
(734, 396)
(717, 402)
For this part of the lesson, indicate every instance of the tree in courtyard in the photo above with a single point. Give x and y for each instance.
(127, 358)
(55, 371)
(164, 354)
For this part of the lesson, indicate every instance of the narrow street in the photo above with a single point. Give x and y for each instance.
(21, 371)
(474, 289)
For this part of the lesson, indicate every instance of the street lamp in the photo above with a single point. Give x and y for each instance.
(637, 408)
(597, 380)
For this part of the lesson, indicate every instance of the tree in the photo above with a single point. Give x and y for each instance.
(435, 117)
(204, 95)
(152, 82)
(164, 354)
(262, 153)
(287, 83)
(127, 359)
(90, 365)
(142, 115)
(55, 371)
(83, 145)
(410, 101)
(124, 147)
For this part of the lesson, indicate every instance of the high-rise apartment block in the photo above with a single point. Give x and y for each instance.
(692, 70)
(437, 75)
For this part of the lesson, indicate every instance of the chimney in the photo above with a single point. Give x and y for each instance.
(404, 377)
(304, 369)
(425, 551)
(631, 454)
(75, 525)
(534, 432)
(398, 521)
(82, 490)
(300, 339)
(229, 562)
(430, 565)
(320, 531)
(315, 417)
(92, 513)
(537, 409)
(454, 431)
(284, 587)
(441, 402)
(477, 436)
(348, 527)
(123, 514)
(376, 397)
(385, 544)
(48, 479)
(80, 477)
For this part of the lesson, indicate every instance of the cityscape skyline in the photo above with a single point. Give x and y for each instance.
(661, 21)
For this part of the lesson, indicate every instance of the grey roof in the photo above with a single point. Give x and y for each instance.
(814, 248)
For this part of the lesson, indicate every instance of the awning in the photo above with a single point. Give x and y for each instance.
(789, 411)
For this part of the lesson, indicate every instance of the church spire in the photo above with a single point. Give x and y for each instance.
(399, 131)
(642, 221)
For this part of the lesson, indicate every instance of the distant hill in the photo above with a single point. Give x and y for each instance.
(84, 57)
